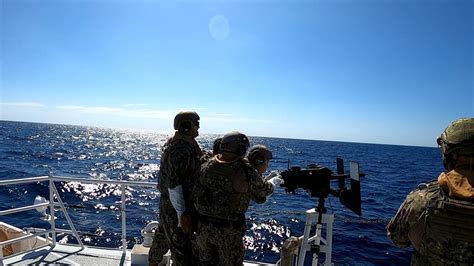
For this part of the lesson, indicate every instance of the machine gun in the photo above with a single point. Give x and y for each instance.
(316, 180)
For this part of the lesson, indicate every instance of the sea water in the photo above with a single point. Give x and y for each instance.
(33, 149)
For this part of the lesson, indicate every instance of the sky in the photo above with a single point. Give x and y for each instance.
(372, 71)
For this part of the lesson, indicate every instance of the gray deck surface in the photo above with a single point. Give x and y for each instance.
(74, 255)
(70, 255)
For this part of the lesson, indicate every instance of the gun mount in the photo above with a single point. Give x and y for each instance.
(316, 180)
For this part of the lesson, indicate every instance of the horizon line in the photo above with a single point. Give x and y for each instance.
(207, 133)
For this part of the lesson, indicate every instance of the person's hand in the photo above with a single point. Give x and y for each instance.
(272, 174)
(276, 180)
(186, 222)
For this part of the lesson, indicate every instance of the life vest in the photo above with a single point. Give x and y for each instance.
(450, 218)
(222, 190)
(7, 250)
(446, 229)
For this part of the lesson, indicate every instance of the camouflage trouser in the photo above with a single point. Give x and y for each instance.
(220, 245)
(179, 243)
(159, 247)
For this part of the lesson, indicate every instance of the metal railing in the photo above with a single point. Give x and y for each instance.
(56, 201)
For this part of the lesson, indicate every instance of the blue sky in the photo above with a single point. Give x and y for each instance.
(377, 71)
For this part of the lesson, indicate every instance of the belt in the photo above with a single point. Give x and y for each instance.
(222, 223)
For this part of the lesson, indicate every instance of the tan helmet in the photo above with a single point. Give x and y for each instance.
(235, 142)
(258, 154)
(184, 121)
(456, 140)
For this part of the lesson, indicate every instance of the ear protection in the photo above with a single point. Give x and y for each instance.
(186, 126)
(258, 160)
(241, 150)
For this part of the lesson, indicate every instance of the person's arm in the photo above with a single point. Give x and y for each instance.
(181, 162)
(259, 188)
(401, 228)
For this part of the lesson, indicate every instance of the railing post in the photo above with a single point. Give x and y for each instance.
(124, 222)
(51, 208)
(66, 214)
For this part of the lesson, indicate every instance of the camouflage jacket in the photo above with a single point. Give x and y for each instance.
(224, 189)
(438, 227)
(180, 164)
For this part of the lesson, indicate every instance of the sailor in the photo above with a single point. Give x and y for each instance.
(222, 196)
(215, 150)
(258, 157)
(179, 168)
(437, 218)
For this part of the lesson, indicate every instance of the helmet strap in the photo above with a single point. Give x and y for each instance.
(449, 161)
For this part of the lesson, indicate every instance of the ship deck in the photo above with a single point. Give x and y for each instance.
(70, 255)
(74, 255)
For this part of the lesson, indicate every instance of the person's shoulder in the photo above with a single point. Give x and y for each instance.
(424, 192)
(180, 145)
(208, 163)
(427, 187)
(248, 167)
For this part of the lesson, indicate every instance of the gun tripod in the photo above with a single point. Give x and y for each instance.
(316, 243)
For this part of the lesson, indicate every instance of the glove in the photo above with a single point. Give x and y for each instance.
(186, 223)
(177, 200)
(272, 174)
(276, 180)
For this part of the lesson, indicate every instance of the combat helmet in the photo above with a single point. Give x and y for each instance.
(258, 154)
(184, 121)
(216, 146)
(235, 142)
(457, 139)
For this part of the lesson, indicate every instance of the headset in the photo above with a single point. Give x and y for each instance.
(257, 160)
(186, 126)
(241, 150)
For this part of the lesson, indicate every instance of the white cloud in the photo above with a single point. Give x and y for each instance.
(228, 118)
(223, 115)
(70, 107)
(131, 111)
(135, 105)
(22, 104)
(146, 113)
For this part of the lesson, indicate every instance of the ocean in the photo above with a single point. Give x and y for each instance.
(33, 149)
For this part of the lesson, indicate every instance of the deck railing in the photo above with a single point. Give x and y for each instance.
(56, 201)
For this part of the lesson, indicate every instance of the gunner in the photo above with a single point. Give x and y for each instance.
(437, 218)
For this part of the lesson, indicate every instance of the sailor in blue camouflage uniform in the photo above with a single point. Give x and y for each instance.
(179, 168)
(437, 219)
(222, 196)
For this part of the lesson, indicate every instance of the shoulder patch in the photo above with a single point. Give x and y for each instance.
(429, 185)
(422, 186)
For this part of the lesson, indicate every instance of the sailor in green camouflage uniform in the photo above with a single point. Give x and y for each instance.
(159, 247)
(179, 168)
(259, 157)
(206, 155)
(222, 196)
(437, 218)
